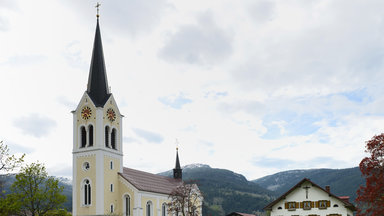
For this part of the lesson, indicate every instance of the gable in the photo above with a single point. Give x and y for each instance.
(306, 190)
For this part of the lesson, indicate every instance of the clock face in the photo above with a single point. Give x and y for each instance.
(86, 113)
(111, 115)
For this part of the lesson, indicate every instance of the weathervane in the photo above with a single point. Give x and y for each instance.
(177, 144)
(97, 6)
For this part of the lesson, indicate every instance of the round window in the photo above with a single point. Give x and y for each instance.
(86, 166)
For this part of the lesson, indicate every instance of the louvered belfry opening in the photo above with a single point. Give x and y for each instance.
(107, 136)
(113, 138)
(90, 135)
(83, 137)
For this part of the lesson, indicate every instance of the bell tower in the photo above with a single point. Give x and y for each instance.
(97, 141)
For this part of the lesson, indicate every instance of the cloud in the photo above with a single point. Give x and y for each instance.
(201, 44)
(16, 148)
(284, 164)
(262, 10)
(304, 115)
(24, 60)
(6, 6)
(4, 24)
(130, 140)
(289, 123)
(302, 51)
(66, 102)
(132, 17)
(148, 135)
(176, 102)
(9, 4)
(73, 55)
(35, 125)
(61, 170)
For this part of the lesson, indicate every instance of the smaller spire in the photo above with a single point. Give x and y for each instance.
(177, 166)
(177, 172)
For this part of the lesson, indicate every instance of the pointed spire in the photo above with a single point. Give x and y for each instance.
(177, 159)
(97, 87)
(177, 172)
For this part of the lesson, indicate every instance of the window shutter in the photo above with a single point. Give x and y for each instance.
(328, 203)
(297, 205)
(301, 204)
(286, 205)
(317, 204)
(312, 204)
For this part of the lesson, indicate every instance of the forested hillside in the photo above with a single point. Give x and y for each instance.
(226, 191)
(343, 182)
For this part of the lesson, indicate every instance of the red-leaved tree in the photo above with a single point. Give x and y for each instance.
(370, 196)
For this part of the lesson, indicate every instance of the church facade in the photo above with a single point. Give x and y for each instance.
(101, 185)
(309, 199)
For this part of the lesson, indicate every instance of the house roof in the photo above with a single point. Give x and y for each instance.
(342, 199)
(239, 214)
(150, 182)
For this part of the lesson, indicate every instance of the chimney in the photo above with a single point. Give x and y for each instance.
(328, 188)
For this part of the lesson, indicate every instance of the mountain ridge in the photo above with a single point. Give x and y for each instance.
(226, 191)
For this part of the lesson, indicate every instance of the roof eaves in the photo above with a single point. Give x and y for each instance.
(347, 204)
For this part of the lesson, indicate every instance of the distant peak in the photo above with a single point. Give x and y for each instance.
(196, 165)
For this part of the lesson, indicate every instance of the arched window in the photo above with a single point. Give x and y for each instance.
(149, 208)
(107, 136)
(90, 135)
(113, 138)
(164, 210)
(112, 208)
(83, 136)
(127, 205)
(87, 192)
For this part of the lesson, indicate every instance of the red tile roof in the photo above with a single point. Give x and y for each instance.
(150, 182)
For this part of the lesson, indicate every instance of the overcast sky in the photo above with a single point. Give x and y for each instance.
(252, 86)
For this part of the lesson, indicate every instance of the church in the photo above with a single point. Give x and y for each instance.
(101, 185)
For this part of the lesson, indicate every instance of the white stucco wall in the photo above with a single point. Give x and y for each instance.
(314, 194)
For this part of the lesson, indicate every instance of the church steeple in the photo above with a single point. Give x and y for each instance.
(97, 87)
(177, 172)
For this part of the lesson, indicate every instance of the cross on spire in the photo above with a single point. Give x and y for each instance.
(97, 7)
